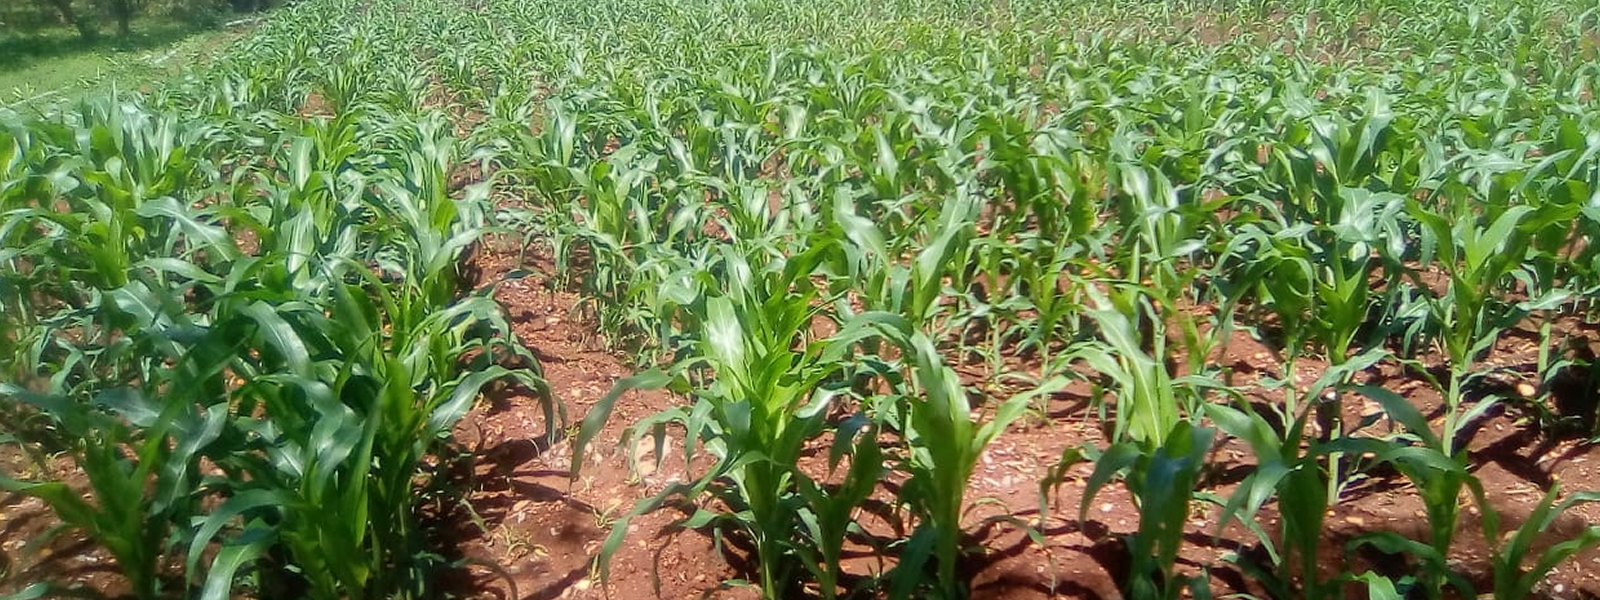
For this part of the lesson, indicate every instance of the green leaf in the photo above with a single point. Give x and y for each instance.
(256, 540)
(241, 502)
(1114, 460)
(32, 592)
(281, 336)
(1379, 587)
(1401, 411)
(598, 414)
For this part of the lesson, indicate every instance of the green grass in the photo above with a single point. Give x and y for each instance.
(54, 65)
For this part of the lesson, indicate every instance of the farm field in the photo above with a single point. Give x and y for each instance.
(780, 299)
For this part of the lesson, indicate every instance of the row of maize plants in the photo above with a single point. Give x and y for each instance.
(235, 329)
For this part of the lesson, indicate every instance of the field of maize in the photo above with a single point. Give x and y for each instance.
(1273, 299)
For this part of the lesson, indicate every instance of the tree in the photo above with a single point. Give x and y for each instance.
(124, 11)
(251, 5)
(84, 24)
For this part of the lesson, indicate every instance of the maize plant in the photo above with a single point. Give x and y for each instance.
(763, 393)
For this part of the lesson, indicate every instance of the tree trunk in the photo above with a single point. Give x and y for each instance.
(123, 11)
(86, 29)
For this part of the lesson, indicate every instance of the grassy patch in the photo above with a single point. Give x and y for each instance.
(55, 65)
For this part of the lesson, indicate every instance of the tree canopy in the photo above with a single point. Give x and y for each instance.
(90, 17)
